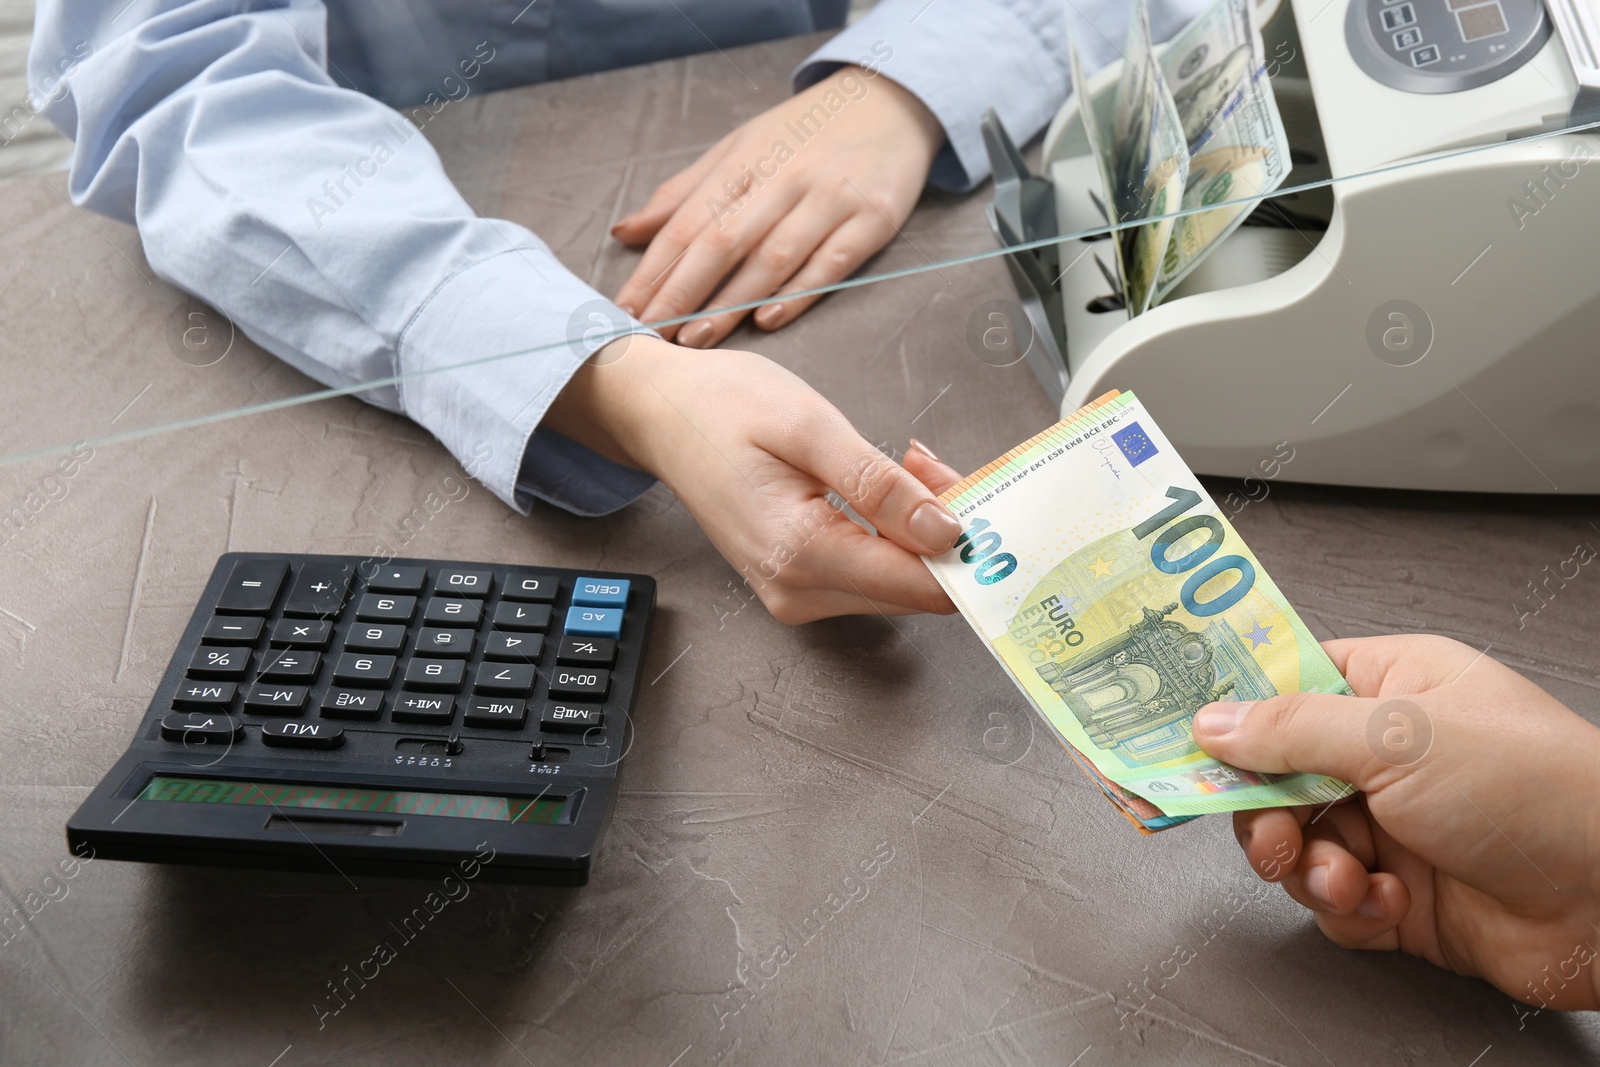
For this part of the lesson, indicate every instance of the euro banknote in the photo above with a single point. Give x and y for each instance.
(1104, 579)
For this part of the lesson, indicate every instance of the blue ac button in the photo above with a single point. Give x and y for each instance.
(594, 622)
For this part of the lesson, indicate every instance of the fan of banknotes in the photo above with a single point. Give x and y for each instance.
(1101, 575)
(1195, 126)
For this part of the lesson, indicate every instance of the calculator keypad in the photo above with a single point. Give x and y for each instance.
(294, 648)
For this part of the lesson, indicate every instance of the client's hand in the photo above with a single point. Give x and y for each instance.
(1473, 843)
(752, 451)
(801, 196)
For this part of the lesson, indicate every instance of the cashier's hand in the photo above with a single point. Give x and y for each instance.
(1473, 842)
(752, 451)
(797, 214)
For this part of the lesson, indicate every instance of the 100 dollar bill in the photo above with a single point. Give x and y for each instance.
(1103, 578)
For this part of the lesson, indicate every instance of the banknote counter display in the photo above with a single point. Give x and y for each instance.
(346, 715)
(1104, 580)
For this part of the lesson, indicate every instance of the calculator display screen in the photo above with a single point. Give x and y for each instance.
(542, 810)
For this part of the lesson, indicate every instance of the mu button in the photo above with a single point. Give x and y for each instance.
(288, 733)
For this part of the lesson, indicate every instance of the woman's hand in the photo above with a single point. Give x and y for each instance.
(800, 196)
(1473, 843)
(752, 451)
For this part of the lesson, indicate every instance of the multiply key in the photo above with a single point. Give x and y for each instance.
(302, 633)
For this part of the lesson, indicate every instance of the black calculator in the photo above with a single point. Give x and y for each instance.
(341, 714)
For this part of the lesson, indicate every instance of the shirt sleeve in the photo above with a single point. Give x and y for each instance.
(1011, 55)
(323, 224)
(963, 57)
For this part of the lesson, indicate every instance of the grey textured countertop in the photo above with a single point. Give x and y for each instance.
(1010, 916)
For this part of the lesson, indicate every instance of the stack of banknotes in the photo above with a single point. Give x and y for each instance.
(1193, 126)
(1101, 575)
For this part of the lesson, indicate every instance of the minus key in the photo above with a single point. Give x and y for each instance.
(231, 630)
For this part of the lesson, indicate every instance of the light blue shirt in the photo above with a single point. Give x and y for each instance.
(269, 154)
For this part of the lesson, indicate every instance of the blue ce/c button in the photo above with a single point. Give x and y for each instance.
(594, 622)
(601, 592)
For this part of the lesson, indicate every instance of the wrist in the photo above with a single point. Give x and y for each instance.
(903, 108)
(611, 404)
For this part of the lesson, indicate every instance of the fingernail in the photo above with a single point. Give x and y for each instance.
(621, 223)
(1372, 907)
(934, 526)
(1220, 719)
(925, 450)
(767, 317)
(629, 310)
(1317, 885)
(696, 335)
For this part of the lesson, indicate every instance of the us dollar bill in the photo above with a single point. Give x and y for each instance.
(1216, 70)
(1101, 575)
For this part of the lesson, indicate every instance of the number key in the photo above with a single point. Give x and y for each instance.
(375, 637)
(376, 608)
(463, 583)
(354, 668)
(510, 615)
(455, 612)
(440, 674)
(515, 679)
(579, 683)
(436, 642)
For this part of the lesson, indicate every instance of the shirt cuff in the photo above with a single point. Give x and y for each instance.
(1005, 63)
(487, 414)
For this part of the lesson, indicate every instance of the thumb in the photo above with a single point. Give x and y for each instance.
(1316, 733)
(881, 491)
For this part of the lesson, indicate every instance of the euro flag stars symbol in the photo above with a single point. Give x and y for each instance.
(1135, 443)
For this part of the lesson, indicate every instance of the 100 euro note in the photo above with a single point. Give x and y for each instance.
(1103, 578)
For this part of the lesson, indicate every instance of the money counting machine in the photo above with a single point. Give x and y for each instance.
(1420, 309)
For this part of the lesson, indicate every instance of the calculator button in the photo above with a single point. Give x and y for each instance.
(302, 633)
(289, 665)
(436, 642)
(204, 696)
(288, 733)
(275, 699)
(355, 668)
(506, 713)
(525, 585)
(463, 583)
(219, 663)
(352, 704)
(419, 707)
(440, 674)
(398, 580)
(561, 716)
(453, 611)
(586, 652)
(374, 608)
(579, 683)
(319, 590)
(601, 592)
(594, 622)
(375, 637)
(223, 630)
(513, 678)
(200, 726)
(510, 615)
(518, 648)
(252, 587)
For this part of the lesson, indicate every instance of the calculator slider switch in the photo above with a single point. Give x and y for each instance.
(559, 715)
(594, 622)
(293, 733)
(319, 590)
(231, 630)
(253, 587)
(200, 727)
(204, 696)
(223, 663)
